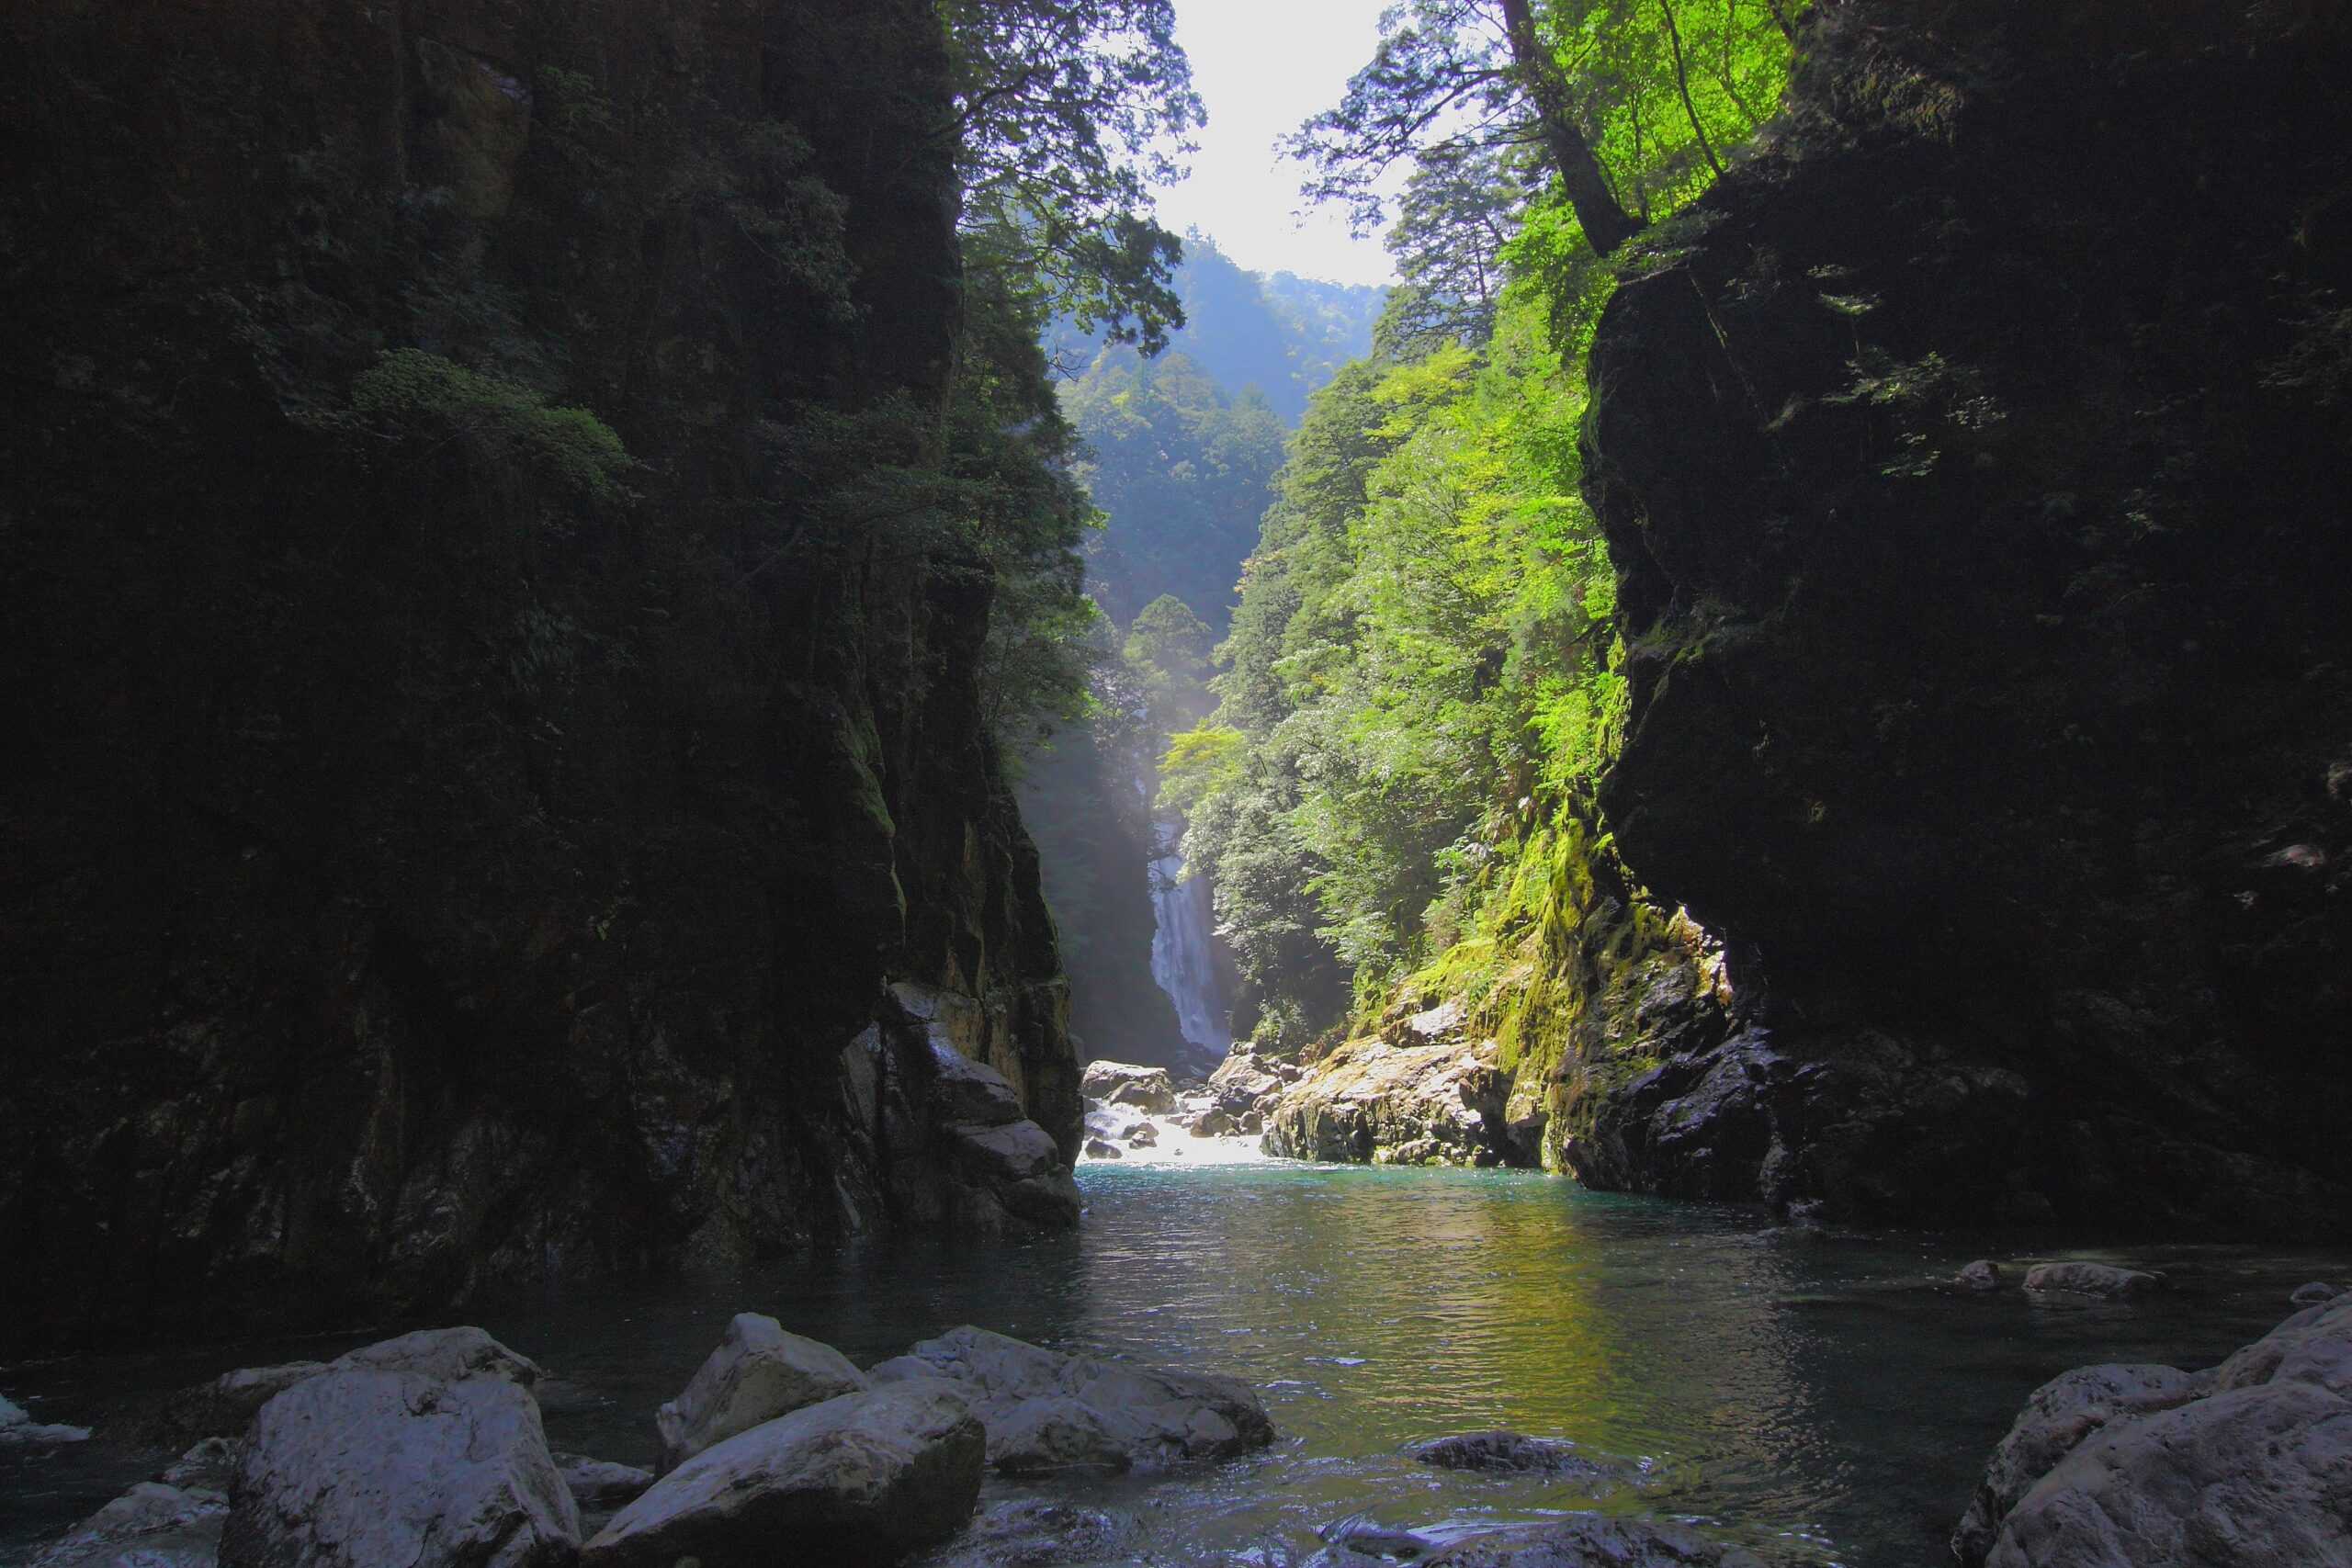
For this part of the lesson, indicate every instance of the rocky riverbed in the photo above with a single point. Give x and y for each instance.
(972, 1448)
(1283, 1364)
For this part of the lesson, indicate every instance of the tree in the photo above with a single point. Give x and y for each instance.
(1627, 101)
(1459, 210)
(1067, 112)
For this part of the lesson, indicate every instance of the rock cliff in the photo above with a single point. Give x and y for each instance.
(1974, 461)
(493, 787)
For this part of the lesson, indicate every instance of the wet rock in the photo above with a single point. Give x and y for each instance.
(1505, 1452)
(1156, 1414)
(2057, 1417)
(1125, 1083)
(866, 1478)
(2092, 1280)
(423, 1451)
(1142, 1136)
(1030, 1532)
(1098, 1149)
(1004, 1154)
(1343, 1557)
(1044, 1437)
(1590, 1541)
(758, 1372)
(1373, 1102)
(223, 1407)
(1361, 1535)
(598, 1485)
(20, 1429)
(1982, 1275)
(171, 1523)
(2248, 1464)
(2314, 1294)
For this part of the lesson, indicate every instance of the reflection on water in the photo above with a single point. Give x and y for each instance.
(1820, 1399)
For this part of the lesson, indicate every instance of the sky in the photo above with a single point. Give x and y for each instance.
(1262, 66)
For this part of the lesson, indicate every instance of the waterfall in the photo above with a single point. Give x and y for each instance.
(1183, 961)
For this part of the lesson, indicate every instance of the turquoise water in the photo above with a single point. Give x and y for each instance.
(1824, 1401)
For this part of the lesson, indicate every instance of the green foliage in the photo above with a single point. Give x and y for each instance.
(1421, 682)
(764, 189)
(1658, 92)
(409, 393)
(1067, 112)
(984, 497)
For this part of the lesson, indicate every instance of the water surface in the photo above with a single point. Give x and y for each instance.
(1824, 1401)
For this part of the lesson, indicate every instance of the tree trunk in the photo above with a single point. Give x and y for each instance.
(1605, 221)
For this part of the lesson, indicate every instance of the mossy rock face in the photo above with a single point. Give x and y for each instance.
(465, 809)
(1977, 507)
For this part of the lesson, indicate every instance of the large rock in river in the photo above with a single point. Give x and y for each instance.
(1126, 1083)
(423, 1451)
(758, 1372)
(1443, 1102)
(2146, 1467)
(863, 1480)
(1048, 1411)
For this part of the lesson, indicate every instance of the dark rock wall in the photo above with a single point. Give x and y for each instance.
(429, 851)
(1975, 462)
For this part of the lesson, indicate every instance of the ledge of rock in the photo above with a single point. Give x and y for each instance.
(172, 1521)
(2249, 1463)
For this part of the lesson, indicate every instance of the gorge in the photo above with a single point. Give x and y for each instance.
(639, 628)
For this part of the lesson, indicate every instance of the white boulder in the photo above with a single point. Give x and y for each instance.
(423, 1451)
(865, 1479)
(758, 1372)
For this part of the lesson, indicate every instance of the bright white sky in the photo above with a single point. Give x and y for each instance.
(1262, 66)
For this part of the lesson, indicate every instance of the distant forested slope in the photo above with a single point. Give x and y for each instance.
(1182, 451)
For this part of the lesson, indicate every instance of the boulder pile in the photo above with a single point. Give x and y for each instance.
(427, 1451)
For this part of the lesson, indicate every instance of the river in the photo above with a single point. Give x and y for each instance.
(1823, 1400)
